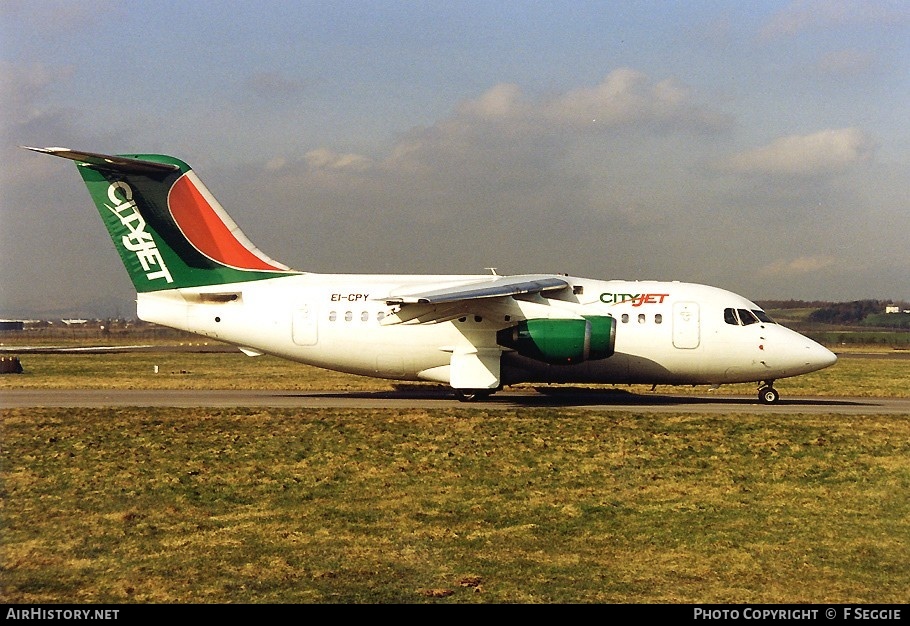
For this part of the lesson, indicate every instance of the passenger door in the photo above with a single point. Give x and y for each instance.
(686, 332)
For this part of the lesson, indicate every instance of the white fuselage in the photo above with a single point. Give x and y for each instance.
(666, 332)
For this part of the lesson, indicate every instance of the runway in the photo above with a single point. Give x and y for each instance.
(609, 400)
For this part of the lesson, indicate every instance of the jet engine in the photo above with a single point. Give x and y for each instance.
(562, 341)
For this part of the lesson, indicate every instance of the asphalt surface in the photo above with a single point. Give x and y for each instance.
(609, 400)
(430, 397)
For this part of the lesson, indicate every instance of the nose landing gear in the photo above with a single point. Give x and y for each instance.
(767, 394)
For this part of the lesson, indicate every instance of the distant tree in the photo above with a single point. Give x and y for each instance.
(847, 312)
(793, 304)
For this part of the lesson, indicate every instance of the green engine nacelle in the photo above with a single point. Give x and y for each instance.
(562, 341)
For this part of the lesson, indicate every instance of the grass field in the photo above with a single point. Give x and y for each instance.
(448, 505)
(159, 505)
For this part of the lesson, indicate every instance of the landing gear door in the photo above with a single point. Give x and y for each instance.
(686, 333)
(475, 368)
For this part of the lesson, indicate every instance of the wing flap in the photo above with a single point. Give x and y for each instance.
(494, 287)
(426, 314)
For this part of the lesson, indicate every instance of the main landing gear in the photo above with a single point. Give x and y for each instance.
(768, 394)
(472, 395)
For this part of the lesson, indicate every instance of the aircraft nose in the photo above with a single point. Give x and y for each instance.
(820, 355)
(801, 355)
(812, 356)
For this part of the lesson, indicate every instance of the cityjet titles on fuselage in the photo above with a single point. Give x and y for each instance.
(138, 240)
(635, 299)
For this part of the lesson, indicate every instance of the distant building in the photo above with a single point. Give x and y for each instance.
(11, 325)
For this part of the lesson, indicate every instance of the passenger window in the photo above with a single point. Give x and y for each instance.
(348, 316)
(380, 316)
(332, 316)
(730, 317)
(641, 318)
(364, 316)
(658, 319)
(625, 318)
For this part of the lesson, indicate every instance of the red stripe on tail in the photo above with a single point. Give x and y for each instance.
(205, 229)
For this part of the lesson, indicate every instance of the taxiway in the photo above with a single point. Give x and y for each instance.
(430, 398)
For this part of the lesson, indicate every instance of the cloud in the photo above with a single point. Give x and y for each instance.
(53, 17)
(273, 84)
(508, 174)
(515, 161)
(804, 15)
(800, 265)
(820, 153)
(512, 136)
(325, 159)
(23, 87)
(27, 118)
(625, 97)
(847, 62)
(502, 101)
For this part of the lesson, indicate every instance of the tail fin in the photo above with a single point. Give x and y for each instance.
(169, 230)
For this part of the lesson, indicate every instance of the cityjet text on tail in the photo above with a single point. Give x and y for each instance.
(193, 269)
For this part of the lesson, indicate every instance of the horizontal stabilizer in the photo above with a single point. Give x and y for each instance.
(110, 162)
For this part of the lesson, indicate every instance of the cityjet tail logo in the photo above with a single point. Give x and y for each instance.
(138, 240)
(636, 299)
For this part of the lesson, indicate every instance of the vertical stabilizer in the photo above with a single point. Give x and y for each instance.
(168, 228)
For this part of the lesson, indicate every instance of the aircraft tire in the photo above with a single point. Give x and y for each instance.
(768, 395)
(472, 395)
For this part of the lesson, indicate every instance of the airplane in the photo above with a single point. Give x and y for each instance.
(194, 270)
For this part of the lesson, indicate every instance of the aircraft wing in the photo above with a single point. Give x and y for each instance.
(495, 287)
(476, 297)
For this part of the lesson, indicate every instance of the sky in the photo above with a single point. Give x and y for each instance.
(761, 147)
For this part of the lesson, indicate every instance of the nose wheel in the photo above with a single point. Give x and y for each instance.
(768, 394)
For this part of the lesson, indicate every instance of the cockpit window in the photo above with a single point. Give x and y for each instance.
(746, 317)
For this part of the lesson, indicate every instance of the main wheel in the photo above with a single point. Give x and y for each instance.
(768, 395)
(470, 395)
